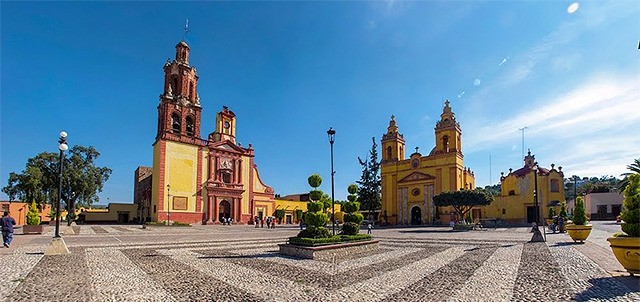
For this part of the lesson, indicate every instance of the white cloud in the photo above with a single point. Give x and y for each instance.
(476, 82)
(573, 7)
(461, 94)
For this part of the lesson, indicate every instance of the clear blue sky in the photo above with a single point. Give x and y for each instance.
(290, 70)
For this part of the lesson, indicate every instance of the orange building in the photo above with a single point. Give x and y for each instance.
(18, 210)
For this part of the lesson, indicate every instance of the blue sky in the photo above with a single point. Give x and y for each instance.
(291, 70)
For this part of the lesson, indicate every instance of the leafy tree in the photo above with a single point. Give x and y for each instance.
(494, 190)
(33, 216)
(279, 215)
(563, 211)
(369, 192)
(634, 168)
(82, 179)
(462, 201)
(631, 203)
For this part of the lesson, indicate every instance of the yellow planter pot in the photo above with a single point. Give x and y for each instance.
(627, 251)
(578, 232)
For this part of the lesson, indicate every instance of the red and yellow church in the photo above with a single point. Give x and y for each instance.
(196, 180)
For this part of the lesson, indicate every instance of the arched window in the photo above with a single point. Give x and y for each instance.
(389, 152)
(445, 143)
(175, 123)
(226, 178)
(174, 83)
(504, 211)
(189, 126)
(555, 187)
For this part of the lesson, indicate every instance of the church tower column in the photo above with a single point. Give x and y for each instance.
(447, 132)
(392, 143)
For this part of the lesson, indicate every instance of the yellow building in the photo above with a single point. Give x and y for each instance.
(516, 201)
(295, 207)
(409, 184)
(197, 180)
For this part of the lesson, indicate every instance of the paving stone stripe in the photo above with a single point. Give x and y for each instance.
(183, 282)
(539, 277)
(267, 286)
(443, 282)
(388, 285)
(497, 275)
(587, 279)
(328, 280)
(55, 278)
(85, 230)
(123, 229)
(115, 277)
(99, 230)
(16, 266)
(341, 265)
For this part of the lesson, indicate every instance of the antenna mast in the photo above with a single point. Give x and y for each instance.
(523, 129)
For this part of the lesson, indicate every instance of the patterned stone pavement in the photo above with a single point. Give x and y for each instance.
(240, 263)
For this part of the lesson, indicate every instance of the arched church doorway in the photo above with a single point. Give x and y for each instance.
(224, 210)
(416, 215)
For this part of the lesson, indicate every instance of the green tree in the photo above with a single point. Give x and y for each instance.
(634, 168)
(463, 201)
(352, 219)
(579, 213)
(33, 216)
(369, 191)
(314, 218)
(82, 179)
(631, 203)
(494, 190)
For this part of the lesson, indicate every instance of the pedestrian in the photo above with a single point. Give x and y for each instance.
(269, 222)
(301, 223)
(255, 219)
(369, 227)
(273, 223)
(561, 224)
(7, 229)
(262, 222)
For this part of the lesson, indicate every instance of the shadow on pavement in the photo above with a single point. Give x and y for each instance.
(614, 286)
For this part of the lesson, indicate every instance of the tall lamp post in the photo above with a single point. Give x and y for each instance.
(168, 204)
(331, 133)
(537, 236)
(63, 147)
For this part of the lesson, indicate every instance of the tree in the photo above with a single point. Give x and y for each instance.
(81, 179)
(634, 168)
(494, 190)
(33, 216)
(631, 203)
(462, 201)
(352, 219)
(369, 184)
(314, 218)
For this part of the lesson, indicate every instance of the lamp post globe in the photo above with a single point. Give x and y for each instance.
(331, 133)
(62, 147)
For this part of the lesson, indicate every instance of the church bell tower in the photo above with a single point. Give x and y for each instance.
(448, 134)
(392, 143)
(179, 110)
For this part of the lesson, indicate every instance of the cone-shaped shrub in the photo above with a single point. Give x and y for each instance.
(314, 218)
(631, 204)
(33, 216)
(352, 219)
(579, 215)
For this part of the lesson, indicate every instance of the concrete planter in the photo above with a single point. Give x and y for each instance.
(627, 251)
(328, 252)
(32, 229)
(578, 232)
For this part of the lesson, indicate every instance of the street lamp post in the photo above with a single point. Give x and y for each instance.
(63, 147)
(168, 204)
(537, 236)
(331, 134)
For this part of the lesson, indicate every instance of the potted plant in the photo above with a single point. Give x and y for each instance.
(579, 230)
(33, 221)
(626, 247)
(552, 212)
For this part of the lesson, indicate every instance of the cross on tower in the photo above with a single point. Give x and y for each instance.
(186, 29)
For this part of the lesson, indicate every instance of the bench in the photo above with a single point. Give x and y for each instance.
(484, 221)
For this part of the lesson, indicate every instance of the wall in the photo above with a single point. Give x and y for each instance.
(18, 210)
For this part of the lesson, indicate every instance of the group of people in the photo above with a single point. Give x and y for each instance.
(557, 225)
(226, 220)
(259, 222)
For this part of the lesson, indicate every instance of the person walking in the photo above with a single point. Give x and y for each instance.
(7, 229)
(262, 222)
(255, 219)
(369, 227)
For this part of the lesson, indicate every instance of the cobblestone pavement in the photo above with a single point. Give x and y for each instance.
(241, 263)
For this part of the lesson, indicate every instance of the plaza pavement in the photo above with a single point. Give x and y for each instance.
(240, 263)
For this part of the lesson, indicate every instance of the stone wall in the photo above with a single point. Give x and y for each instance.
(328, 252)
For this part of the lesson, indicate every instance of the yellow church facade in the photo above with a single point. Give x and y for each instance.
(409, 183)
(196, 180)
(516, 202)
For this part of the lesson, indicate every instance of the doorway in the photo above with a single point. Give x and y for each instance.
(531, 214)
(416, 215)
(289, 219)
(224, 210)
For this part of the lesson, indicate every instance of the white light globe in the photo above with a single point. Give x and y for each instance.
(63, 134)
(63, 147)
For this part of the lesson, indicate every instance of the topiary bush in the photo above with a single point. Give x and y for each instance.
(33, 216)
(563, 211)
(552, 212)
(579, 213)
(631, 205)
(352, 219)
(314, 232)
(314, 218)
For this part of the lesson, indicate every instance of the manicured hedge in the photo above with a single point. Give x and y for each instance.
(330, 240)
